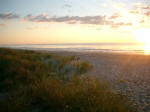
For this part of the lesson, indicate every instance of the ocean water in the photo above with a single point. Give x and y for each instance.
(86, 47)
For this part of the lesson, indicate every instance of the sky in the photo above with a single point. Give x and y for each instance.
(74, 21)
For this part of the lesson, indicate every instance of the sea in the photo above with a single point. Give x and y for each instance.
(137, 48)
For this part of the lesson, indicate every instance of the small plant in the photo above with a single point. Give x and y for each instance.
(83, 67)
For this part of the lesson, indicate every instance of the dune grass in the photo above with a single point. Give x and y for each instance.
(41, 82)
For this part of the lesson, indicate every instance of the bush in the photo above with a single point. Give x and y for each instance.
(79, 94)
(83, 67)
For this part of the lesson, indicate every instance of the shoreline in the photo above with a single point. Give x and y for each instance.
(81, 49)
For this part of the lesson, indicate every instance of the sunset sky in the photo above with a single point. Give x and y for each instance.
(74, 21)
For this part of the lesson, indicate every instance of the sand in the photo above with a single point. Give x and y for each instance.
(127, 73)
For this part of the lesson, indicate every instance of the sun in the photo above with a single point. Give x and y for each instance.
(143, 35)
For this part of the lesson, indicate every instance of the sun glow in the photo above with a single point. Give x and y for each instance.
(147, 49)
(143, 35)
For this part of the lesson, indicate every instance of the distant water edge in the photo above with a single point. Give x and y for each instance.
(83, 47)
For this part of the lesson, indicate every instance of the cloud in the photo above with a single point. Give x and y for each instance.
(134, 12)
(140, 10)
(68, 19)
(147, 13)
(2, 24)
(93, 20)
(142, 6)
(39, 18)
(146, 7)
(71, 22)
(116, 25)
(9, 15)
(114, 16)
(67, 6)
(83, 20)
(142, 21)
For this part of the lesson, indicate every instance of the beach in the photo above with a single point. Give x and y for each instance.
(127, 73)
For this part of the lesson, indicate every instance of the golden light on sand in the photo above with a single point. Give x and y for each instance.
(143, 35)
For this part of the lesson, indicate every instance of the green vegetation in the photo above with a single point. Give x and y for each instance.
(42, 82)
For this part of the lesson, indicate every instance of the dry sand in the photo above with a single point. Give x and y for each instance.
(127, 73)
